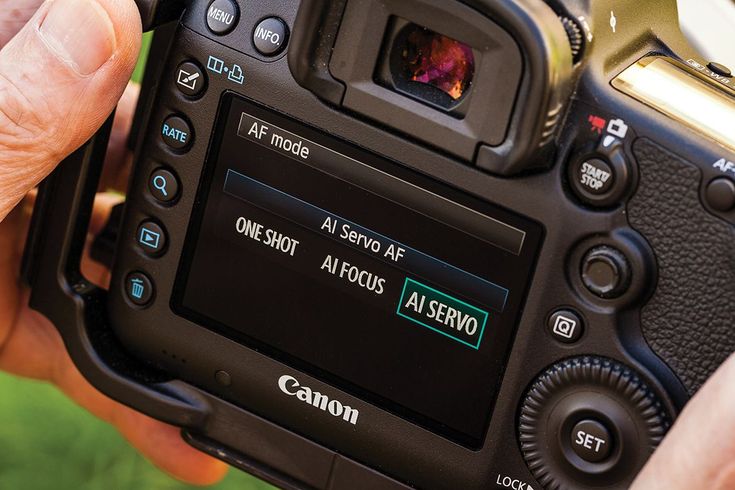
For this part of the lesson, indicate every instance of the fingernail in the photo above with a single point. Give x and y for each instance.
(80, 33)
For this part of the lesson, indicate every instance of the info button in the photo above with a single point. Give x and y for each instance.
(442, 313)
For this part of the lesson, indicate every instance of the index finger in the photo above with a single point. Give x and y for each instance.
(119, 158)
(699, 451)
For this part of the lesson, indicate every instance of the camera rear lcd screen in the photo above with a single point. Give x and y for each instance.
(355, 270)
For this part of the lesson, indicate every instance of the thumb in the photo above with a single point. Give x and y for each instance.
(699, 451)
(60, 77)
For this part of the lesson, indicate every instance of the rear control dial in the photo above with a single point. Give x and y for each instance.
(589, 422)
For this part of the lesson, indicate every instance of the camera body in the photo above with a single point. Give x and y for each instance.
(379, 244)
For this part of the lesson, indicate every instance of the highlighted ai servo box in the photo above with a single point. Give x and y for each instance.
(442, 313)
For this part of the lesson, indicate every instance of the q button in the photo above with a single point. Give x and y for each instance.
(163, 186)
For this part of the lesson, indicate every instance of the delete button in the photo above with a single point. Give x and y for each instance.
(442, 313)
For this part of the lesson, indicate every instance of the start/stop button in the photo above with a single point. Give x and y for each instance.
(601, 177)
(596, 176)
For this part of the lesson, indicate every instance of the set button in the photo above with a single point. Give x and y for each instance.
(591, 441)
(176, 132)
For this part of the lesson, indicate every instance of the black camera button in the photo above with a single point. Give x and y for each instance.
(565, 326)
(591, 441)
(270, 36)
(223, 377)
(720, 69)
(151, 238)
(602, 176)
(139, 288)
(163, 186)
(594, 176)
(176, 132)
(222, 16)
(720, 194)
(606, 272)
(190, 79)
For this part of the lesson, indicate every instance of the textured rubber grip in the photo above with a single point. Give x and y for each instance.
(690, 320)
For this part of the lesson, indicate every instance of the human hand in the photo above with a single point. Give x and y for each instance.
(63, 66)
(699, 450)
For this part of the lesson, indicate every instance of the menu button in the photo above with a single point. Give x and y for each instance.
(222, 16)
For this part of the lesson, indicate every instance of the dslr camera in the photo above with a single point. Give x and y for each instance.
(477, 244)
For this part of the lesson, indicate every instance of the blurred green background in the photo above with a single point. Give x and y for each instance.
(49, 443)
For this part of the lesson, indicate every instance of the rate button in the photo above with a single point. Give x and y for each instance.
(176, 132)
(442, 313)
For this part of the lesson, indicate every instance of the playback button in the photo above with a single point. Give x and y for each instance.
(151, 238)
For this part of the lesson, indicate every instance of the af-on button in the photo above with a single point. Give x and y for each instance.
(720, 194)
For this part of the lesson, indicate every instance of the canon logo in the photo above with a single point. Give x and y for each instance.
(290, 386)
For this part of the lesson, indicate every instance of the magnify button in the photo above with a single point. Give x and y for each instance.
(163, 185)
